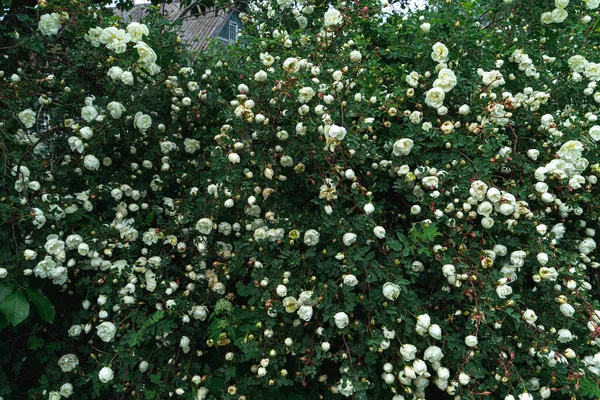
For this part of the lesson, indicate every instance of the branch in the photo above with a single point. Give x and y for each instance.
(188, 9)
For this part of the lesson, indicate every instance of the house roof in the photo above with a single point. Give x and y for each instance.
(195, 30)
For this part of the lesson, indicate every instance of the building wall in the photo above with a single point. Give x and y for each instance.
(224, 33)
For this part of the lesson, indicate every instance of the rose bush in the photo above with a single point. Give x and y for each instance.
(355, 202)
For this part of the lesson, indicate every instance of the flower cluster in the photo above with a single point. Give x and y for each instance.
(353, 202)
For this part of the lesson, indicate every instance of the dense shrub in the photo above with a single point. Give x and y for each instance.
(355, 201)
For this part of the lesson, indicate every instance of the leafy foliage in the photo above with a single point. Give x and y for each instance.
(353, 201)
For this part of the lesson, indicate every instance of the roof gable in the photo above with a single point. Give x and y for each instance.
(195, 30)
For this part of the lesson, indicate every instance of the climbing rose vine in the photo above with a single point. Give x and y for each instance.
(355, 200)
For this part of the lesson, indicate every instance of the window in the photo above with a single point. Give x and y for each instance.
(233, 31)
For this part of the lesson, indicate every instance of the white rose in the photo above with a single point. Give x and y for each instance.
(146, 54)
(200, 312)
(334, 131)
(446, 80)
(91, 163)
(391, 291)
(464, 378)
(443, 373)
(89, 113)
(115, 73)
(86, 132)
(439, 53)
(487, 222)
(594, 132)
(306, 94)
(281, 291)
(412, 79)
(408, 352)
(142, 121)
(529, 316)
(494, 195)
(83, 249)
(115, 109)
(423, 321)
(311, 237)
(419, 367)
(233, 158)
(291, 65)
(533, 154)
(416, 117)
(106, 331)
(559, 15)
(485, 208)
(567, 310)
(75, 330)
(260, 76)
(306, 298)
(115, 39)
(350, 280)
(448, 270)
(345, 388)
(433, 354)
(402, 147)
(136, 31)
(592, 4)
(54, 396)
(471, 341)
(341, 320)
(577, 63)
(491, 79)
(260, 233)
(305, 313)
(332, 17)
(435, 97)
(27, 118)
(425, 27)
(379, 232)
(564, 336)
(204, 226)
(49, 24)
(542, 258)
(66, 390)
(349, 238)
(106, 374)
(587, 245)
(355, 56)
(435, 331)
(68, 362)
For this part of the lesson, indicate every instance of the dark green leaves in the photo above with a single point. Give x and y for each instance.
(5, 290)
(43, 305)
(590, 389)
(15, 308)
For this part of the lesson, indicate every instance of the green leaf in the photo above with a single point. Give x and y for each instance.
(589, 388)
(3, 322)
(5, 290)
(395, 245)
(297, 396)
(215, 385)
(43, 305)
(15, 308)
